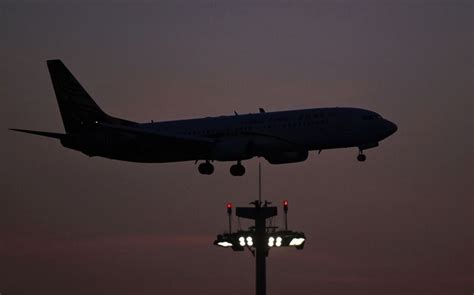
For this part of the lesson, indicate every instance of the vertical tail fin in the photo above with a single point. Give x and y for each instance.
(75, 104)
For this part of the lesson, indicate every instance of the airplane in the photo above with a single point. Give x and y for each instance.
(279, 137)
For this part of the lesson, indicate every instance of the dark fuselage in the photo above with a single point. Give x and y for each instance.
(250, 135)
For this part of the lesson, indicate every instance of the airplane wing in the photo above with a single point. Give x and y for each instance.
(134, 131)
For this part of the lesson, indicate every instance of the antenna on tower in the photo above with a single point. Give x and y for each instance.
(260, 182)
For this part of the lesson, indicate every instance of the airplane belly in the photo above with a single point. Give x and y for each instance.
(137, 149)
(335, 136)
(263, 144)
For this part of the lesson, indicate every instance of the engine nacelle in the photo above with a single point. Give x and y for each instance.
(232, 150)
(286, 157)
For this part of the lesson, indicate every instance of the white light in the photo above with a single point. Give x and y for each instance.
(296, 241)
(224, 244)
(249, 241)
(242, 241)
(278, 241)
(271, 241)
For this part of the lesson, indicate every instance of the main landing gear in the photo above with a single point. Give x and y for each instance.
(237, 169)
(206, 168)
(361, 157)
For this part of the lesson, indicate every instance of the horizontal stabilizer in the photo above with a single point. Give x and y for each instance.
(40, 133)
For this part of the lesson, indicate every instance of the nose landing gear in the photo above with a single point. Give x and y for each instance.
(361, 157)
(206, 168)
(237, 169)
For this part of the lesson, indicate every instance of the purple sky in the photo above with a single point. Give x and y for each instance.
(400, 223)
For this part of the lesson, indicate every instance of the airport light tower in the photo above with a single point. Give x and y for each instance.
(259, 239)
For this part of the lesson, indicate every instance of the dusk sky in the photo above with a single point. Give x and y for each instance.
(399, 223)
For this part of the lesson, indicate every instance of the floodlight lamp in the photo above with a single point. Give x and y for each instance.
(297, 241)
(224, 244)
(242, 241)
(271, 241)
(278, 241)
(249, 241)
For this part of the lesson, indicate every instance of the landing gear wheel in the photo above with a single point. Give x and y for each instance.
(361, 157)
(237, 170)
(206, 168)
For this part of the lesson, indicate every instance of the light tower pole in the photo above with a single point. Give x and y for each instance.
(259, 213)
(260, 238)
(261, 251)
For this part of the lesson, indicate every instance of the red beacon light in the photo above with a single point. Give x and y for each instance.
(229, 208)
(229, 213)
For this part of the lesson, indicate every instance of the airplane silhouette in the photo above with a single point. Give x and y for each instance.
(280, 137)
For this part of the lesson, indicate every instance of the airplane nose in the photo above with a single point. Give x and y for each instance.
(391, 127)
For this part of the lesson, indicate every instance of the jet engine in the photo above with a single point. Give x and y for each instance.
(232, 150)
(286, 157)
